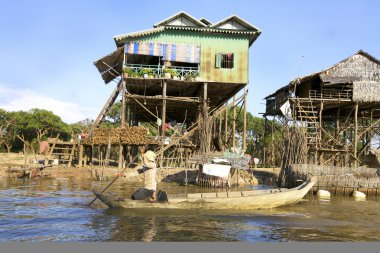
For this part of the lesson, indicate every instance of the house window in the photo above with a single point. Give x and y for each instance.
(224, 61)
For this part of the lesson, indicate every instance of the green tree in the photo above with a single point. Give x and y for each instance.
(46, 123)
(7, 135)
(81, 127)
(258, 135)
(27, 129)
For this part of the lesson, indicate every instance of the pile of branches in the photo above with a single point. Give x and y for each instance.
(134, 135)
(294, 150)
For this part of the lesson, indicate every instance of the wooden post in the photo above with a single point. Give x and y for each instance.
(121, 157)
(356, 134)
(272, 143)
(319, 142)
(234, 123)
(80, 162)
(206, 127)
(226, 126)
(345, 147)
(92, 154)
(163, 119)
(337, 130)
(220, 132)
(245, 119)
(108, 152)
(370, 133)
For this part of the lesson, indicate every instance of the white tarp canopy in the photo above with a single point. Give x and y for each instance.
(217, 170)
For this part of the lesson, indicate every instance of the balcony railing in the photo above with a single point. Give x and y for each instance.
(333, 94)
(157, 71)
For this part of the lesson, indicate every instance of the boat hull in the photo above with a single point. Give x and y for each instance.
(255, 199)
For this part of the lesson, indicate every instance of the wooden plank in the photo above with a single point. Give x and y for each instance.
(107, 106)
(71, 156)
(52, 148)
(245, 119)
(356, 134)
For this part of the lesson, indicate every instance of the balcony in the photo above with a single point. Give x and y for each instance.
(160, 71)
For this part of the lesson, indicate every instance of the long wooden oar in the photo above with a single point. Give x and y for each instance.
(118, 175)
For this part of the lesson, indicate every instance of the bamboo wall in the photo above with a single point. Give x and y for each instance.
(337, 180)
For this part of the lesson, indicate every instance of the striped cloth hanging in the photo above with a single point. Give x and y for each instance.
(171, 52)
(181, 52)
(145, 48)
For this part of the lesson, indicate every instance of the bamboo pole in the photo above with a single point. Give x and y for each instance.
(234, 123)
(272, 142)
(356, 134)
(121, 157)
(206, 129)
(320, 133)
(80, 162)
(226, 126)
(245, 119)
(163, 119)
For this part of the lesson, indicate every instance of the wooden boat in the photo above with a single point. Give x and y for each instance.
(254, 199)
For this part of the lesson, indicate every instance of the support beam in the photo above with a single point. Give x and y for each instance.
(121, 157)
(163, 118)
(206, 133)
(234, 124)
(356, 135)
(80, 154)
(245, 119)
(107, 106)
(226, 126)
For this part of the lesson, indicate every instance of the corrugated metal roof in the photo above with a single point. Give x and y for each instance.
(121, 39)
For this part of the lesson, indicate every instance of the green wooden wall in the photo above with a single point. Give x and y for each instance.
(211, 44)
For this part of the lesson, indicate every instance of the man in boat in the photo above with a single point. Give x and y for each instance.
(150, 184)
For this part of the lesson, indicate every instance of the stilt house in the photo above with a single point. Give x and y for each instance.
(339, 108)
(178, 78)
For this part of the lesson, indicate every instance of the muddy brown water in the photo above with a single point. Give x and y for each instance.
(55, 210)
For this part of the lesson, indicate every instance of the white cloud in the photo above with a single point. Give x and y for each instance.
(13, 99)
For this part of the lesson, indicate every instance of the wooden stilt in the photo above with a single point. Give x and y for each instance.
(80, 154)
(163, 119)
(245, 119)
(356, 134)
(234, 123)
(121, 155)
(226, 126)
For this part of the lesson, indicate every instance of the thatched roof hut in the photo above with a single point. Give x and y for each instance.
(356, 78)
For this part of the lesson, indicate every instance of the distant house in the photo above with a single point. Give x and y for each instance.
(340, 107)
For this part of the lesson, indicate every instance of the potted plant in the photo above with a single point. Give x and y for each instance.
(146, 72)
(167, 73)
(174, 74)
(126, 71)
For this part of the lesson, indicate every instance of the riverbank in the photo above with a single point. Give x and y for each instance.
(11, 166)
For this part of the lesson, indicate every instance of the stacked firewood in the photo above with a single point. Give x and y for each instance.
(134, 135)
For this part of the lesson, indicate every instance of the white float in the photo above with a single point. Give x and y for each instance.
(358, 195)
(323, 194)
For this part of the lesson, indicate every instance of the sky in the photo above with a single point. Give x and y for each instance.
(47, 48)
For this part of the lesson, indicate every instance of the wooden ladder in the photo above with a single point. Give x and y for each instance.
(52, 148)
(308, 112)
(103, 113)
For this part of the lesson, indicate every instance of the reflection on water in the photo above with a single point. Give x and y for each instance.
(55, 210)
